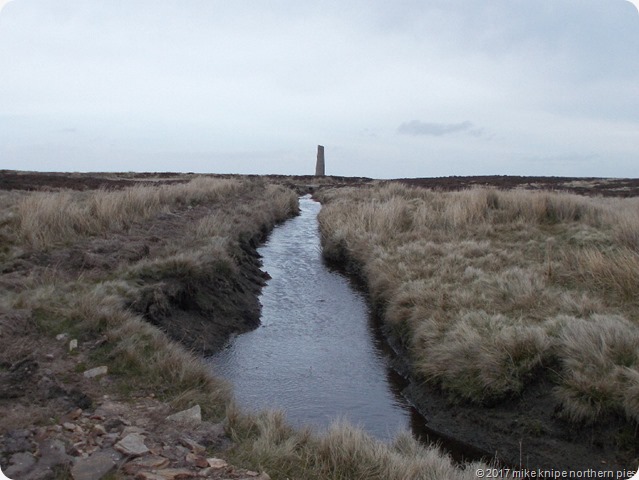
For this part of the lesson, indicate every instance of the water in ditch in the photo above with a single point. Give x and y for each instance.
(316, 355)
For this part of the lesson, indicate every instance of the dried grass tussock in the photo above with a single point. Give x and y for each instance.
(342, 453)
(47, 218)
(489, 289)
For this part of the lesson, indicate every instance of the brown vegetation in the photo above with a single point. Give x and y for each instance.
(490, 290)
(136, 275)
(84, 263)
(342, 453)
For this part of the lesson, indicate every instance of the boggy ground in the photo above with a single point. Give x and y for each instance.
(520, 432)
(157, 268)
(75, 287)
(200, 313)
(523, 431)
(512, 311)
(134, 273)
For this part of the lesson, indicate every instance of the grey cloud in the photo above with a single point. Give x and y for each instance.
(576, 39)
(417, 127)
(224, 77)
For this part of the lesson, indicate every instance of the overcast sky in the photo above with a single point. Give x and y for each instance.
(408, 88)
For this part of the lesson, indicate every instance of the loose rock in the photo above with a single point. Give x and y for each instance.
(20, 464)
(52, 453)
(149, 462)
(17, 441)
(196, 460)
(193, 414)
(132, 445)
(131, 429)
(192, 445)
(96, 372)
(217, 463)
(98, 430)
(96, 466)
(167, 474)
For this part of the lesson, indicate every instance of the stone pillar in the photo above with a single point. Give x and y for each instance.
(319, 166)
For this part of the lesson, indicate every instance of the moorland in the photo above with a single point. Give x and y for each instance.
(510, 303)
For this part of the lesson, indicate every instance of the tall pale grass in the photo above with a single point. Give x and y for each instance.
(600, 357)
(474, 282)
(142, 356)
(265, 442)
(45, 219)
(615, 271)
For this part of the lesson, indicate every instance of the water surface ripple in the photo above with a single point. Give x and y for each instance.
(315, 355)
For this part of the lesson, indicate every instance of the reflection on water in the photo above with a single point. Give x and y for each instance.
(315, 355)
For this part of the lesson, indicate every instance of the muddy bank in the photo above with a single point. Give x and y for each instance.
(521, 431)
(202, 313)
(518, 431)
